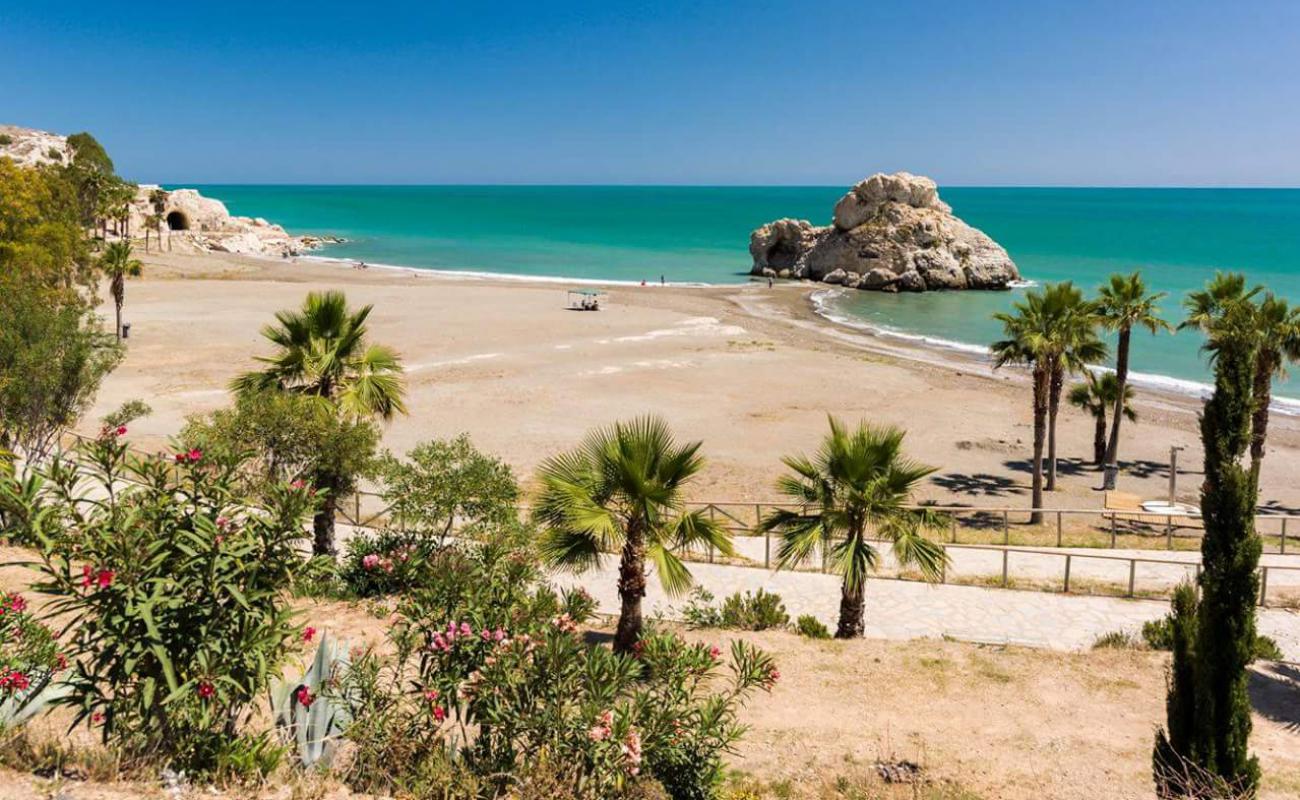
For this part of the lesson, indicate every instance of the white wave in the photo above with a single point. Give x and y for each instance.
(510, 276)
(1022, 284)
(822, 300)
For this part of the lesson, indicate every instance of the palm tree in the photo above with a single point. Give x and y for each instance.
(1052, 331)
(858, 484)
(158, 201)
(1125, 304)
(622, 490)
(1075, 346)
(1208, 306)
(1277, 325)
(118, 265)
(1096, 396)
(322, 352)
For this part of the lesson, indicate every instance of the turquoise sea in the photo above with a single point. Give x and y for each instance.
(1178, 237)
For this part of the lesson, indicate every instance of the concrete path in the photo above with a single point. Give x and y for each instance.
(908, 610)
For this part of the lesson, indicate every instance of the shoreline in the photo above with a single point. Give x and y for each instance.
(962, 354)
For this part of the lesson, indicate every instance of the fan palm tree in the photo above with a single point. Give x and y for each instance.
(1207, 307)
(322, 352)
(1075, 346)
(1124, 304)
(1277, 325)
(1096, 396)
(1054, 332)
(621, 490)
(118, 265)
(858, 484)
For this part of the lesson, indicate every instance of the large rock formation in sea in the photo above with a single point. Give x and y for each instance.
(189, 220)
(890, 233)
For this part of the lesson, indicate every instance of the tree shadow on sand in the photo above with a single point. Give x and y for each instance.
(1275, 693)
(1140, 468)
(979, 484)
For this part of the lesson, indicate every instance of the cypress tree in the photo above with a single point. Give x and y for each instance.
(1212, 663)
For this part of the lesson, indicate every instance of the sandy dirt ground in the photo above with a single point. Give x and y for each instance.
(748, 369)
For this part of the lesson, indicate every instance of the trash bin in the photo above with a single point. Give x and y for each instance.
(126, 330)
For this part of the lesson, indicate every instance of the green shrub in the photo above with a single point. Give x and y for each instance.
(448, 482)
(810, 626)
(6, 140)
(1158, 635)
(384, 562)
(748, 611)
(1117, 640)
(29, 660)
(180, 587)
(493, 686)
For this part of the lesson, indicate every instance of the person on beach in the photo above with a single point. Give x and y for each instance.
(661, 280)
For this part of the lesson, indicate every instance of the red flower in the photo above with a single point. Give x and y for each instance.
(121, 430)
(206, 689)
(86, 579)
(181, 458)
(439, 713)
(104, 578)
(715, 653)
(97, 718)
(308, 634)
(60, 662)
(304, 697)
(17, 603)
(194, 455)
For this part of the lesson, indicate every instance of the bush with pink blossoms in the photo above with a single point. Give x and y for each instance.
(178, 586)
(494, 685)
(29, 655)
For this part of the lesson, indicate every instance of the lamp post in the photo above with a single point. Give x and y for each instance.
(1173, 474)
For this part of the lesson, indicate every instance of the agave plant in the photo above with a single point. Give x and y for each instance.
(21, 706)
(304, 712)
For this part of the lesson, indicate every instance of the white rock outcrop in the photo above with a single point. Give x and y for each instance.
(188, 219)
(888, 233)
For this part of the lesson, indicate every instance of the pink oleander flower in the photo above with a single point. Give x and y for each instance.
(485, 635)
(773, 675)
(370, 561)
(308, 633)
(104, 578)
(432, 695)
(206, 689)
(603, 728)
(86, 577)
(466, 630)
(499, 635)
(631, 749)
(439, 713)
(121, 430)
(17, 603)
(97, 718)
(715, 653)
(304, 696)
(194, 455)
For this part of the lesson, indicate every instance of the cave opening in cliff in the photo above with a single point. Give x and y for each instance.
(783, 255)
(177, 221)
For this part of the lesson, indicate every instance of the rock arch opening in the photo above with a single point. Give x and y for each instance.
(782, 255)
(177, 221)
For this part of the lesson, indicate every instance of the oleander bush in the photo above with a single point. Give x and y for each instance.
(30, 659)
(493, 689)
(177, 591)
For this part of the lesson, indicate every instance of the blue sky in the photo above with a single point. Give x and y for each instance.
(1078, 93)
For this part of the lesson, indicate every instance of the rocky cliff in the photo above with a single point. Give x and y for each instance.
(188, 220)
(889, 233)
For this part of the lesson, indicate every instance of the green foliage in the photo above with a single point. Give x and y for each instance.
(622, 490)
(1208, 707)
(748, 611)
(179, 589)
(29, 661)
(448, 482)
(811, 627)
(492, 686)
(1117, 640)
(125, 414)
(386, 562)
(6, 140)
(859, 484)
(53, 358)
(322, 351)
(287, 438)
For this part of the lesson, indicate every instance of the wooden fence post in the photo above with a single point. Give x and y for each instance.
(1058, 529)
(1006, 527)
(1284, 536)
(1004, 567)
(1263, 587)
(1132, 575)
(1067, 573)
(1113, 532)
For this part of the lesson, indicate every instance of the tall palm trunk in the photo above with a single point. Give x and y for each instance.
(323, 522)
(118, 289)
(1099, 437)
(1265, 364)
(1040, 434)
(631, 589)
(852, 613)
(1053, 407)
(1117, 414)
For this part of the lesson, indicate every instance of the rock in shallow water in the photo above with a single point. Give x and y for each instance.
(894, 232)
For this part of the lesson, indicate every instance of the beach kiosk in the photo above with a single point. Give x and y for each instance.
(584, 299)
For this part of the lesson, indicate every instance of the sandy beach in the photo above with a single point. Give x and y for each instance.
(750, 370)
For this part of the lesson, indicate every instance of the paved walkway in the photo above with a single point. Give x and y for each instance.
(909, 610)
